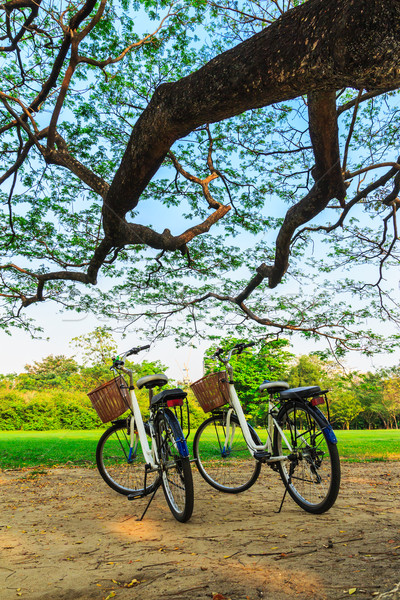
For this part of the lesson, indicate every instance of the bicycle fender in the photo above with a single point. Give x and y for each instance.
(178, 433)
(327, 428)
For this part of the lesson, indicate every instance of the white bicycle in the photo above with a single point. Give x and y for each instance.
(136, 457)
(300, 444)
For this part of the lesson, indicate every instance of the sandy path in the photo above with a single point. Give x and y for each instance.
(65, 536)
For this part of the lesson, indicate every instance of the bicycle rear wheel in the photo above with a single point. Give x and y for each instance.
(229, 468)
(123, 473)
(176, 472)
(311, 472)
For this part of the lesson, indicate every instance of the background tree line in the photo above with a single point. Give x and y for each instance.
(357, 400)
(51, 393)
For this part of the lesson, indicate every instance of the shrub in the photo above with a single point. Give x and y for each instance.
(46, 410)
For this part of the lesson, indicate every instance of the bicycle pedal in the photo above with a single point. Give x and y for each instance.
(262, 455)
(134, 496)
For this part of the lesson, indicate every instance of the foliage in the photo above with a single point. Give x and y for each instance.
(388, 408)
(96, 347)
(357, 400)
(51, 372)
(86, 190)
(345, 406)
(307, 371)
(45, 410)
(369, 389)
(52, 393)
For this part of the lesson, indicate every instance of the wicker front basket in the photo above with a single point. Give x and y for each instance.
(111, 399)
(211, 391)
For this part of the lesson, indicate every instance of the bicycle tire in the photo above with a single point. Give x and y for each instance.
(231, 471)
(125, 476)
(314, 458)
(176, 472)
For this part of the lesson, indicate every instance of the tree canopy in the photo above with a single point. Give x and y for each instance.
(193, 155)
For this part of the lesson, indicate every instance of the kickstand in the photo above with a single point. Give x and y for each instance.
(289, 481)
(158, 483)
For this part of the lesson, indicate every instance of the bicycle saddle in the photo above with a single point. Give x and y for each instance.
(301, 392)
(273, 387)
(151, 381)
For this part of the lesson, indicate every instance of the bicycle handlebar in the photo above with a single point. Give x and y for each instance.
(237, 349)
(119, 362)
(136, 350)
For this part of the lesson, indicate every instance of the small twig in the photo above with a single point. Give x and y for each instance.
(346, 541)
(179, 592)
(171, 562)
(148, 581)
(283, 556)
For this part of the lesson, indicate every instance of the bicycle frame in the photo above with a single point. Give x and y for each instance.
(150, 454)
(236, 406)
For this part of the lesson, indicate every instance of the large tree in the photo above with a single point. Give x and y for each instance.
(145, 141)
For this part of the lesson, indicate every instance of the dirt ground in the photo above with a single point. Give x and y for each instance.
(64, 535)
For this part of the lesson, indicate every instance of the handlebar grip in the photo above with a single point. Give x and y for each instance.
(137, 350)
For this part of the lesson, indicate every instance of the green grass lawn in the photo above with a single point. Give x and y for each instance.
(365, 445)
(48, 448)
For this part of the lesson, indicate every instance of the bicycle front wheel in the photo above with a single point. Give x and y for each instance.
(176, 472)
(311, 472)
(222, 455)
(121, 467)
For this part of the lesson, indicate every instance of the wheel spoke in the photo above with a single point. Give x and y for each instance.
(232, 469)
(124, 475)
(312, 471)
(176, 471)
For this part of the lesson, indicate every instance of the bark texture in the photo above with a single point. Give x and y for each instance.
(322, 45)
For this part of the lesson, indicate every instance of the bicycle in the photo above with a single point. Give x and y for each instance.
(135, 457)
(300, 445)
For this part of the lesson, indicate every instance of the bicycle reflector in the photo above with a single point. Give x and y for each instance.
(317, 400)
(175, 402)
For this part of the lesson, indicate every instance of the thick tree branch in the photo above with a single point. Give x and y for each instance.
(133, 233)
(328, 184)
(8, 7)
(325, 48)
(392, 197)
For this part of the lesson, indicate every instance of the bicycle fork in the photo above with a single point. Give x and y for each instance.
(134, 441)
(229, 434)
